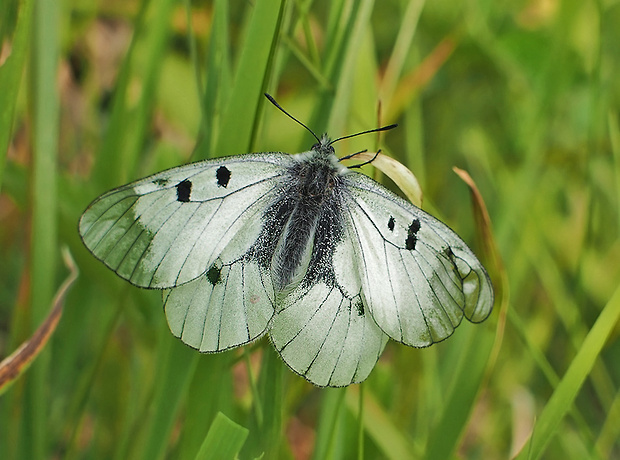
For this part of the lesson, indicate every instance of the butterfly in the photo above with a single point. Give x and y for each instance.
(322, 259)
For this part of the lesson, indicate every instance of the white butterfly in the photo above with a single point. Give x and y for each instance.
(324, 260)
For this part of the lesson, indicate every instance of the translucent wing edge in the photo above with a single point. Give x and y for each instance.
(470, 269)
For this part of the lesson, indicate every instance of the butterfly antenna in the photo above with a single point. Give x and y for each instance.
(273, 101)
(383, 128)
(365, 162)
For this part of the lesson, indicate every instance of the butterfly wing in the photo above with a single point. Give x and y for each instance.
(230, 305)
(418, 277)
(322, 329)
(169, 228)
(324, 335)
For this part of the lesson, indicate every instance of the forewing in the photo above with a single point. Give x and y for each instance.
(169, 228)
(418, 277)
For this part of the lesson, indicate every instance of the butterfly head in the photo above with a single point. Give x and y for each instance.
(324, 145)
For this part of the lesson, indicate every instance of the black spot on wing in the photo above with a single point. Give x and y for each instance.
(412, 238)
(391, 224)
(184, 190)
(223, 176)
(161, 182)
(359, 306)
(410, 242)
(213, 275)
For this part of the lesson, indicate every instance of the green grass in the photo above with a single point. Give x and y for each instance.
(522, 95)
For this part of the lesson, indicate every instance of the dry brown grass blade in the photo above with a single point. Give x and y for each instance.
(483, 221)
(16, 364)
(492, 255)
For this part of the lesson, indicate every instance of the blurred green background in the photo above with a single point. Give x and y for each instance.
(524, 95)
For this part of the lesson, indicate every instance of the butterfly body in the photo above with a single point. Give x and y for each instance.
(304, 216)
(323, 259)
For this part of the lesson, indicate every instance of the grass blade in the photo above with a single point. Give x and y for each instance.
(173, 379)
(17, 363)
(224, 440)
(240, 120)
(10, 77)
(378, 425)
(465, 384)
(44, 246)
(564, 395)
(328, 432)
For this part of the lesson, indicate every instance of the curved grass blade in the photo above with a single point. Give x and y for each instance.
(12, 367)
(564, 395)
